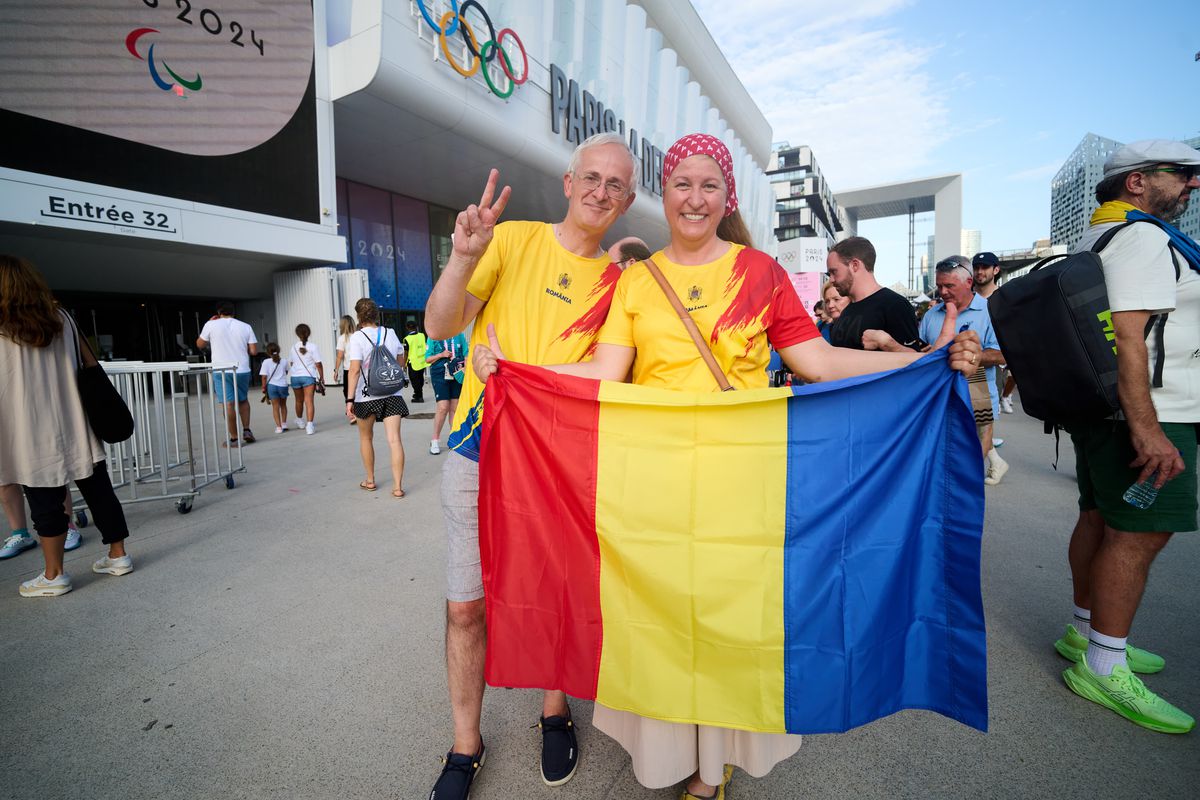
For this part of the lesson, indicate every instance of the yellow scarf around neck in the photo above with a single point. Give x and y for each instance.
(1112, 211)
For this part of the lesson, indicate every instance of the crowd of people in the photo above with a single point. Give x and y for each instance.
(861, 327)
(550, 294)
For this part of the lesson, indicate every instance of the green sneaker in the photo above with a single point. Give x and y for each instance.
(1073, 646)
(1124, 693)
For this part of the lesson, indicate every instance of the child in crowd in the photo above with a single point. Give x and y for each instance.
(275, 386)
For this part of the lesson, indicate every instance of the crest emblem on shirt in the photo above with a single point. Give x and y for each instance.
(694, 293)
(564, 281)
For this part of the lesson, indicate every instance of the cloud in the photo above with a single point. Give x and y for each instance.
(836, 76)
(1042, 173)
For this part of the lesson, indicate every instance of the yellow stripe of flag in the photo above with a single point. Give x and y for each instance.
(692, 619)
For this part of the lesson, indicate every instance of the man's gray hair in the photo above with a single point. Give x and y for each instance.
(954, 264)
(596, 140)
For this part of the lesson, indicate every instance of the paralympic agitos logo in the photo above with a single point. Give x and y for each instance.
(181, 83)
(455, 20)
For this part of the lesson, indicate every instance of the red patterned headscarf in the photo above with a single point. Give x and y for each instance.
(701, 144)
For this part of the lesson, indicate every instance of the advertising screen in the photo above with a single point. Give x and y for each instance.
(211, 101)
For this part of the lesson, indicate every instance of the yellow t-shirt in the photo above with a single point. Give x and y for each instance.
(742, 303)
(546, 303)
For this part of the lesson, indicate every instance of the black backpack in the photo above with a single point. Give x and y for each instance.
(1055, 329)
(382, 376)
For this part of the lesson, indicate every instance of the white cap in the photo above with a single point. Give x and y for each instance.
(1150, 151)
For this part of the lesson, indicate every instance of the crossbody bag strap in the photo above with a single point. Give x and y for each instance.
(705, 351)
(78, 338)
(300, 358)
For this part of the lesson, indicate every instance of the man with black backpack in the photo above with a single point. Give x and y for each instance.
(1150, 269)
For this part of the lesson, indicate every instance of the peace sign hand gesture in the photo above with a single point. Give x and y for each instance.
(474, 226)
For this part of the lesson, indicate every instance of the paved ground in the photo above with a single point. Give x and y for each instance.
(285, 640)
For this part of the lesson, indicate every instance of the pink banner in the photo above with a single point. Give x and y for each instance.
(808, 286)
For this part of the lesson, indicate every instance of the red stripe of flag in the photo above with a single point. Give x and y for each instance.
(542, 587)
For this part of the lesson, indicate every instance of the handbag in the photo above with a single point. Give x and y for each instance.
(706, 352)
(107, 414)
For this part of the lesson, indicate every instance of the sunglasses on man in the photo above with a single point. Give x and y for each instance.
(1187, 173)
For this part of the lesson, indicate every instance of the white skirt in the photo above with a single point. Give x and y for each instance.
(665, 753)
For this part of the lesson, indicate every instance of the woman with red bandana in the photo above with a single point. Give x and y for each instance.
(743, 303)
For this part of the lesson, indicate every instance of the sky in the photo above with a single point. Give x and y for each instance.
(890, 90)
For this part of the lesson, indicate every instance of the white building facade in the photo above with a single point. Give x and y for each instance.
(173, 162)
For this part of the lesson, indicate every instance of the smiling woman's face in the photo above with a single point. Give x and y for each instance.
(694, 199)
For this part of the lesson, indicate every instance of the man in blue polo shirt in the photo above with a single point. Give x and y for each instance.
(956, 284)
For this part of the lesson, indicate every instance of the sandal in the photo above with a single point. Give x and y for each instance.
(719, 794)
(247, 436)
(397, 493)
(367, 486)
(234, 442)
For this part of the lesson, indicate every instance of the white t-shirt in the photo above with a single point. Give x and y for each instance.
(342, 341)
(229, 339)
(359, 349)
(1140, 276)
(276, 374)
(304, 365)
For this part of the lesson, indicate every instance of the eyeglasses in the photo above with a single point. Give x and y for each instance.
(1186, 172)
(614, 189)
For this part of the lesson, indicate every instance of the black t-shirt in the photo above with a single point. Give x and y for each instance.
(885, 311)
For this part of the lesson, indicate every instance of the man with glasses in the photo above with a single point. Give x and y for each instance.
(1150, 268)
(956, 286)
(545, 289)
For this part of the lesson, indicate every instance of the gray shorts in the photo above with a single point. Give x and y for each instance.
(460, 507)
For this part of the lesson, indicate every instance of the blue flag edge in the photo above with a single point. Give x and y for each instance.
(830, 685)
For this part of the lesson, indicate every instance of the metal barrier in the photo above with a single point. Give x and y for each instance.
(180, 442)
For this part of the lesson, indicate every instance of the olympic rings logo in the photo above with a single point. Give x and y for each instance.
(456, 20)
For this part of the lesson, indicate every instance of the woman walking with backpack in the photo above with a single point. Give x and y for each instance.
(308, 376)
(377, 399)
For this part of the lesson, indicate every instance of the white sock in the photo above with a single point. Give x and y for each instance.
(1083, 621)
(1105, 652)
(994, 458)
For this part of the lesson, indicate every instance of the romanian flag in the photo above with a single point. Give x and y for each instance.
(801, 560)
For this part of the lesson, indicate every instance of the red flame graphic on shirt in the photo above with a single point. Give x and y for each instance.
(593, 319)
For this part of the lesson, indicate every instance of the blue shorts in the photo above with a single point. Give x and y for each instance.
(443, 388)
(302, 381)
(277, 392)
(224, 386)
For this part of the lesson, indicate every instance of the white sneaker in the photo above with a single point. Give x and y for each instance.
(996, 471)
(310, 429)
(279, 429)
(434, 447)
(1006, 406)
(74, 539)
(17, 543)
(114, 566)
(41, 587)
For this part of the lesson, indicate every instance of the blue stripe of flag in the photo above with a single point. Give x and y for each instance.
(882, 602)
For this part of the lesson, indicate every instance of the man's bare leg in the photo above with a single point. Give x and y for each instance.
(1085, 541)
(231, 420)
(466, 644)
(554, 704)
(244, 410)
(1118, 578)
